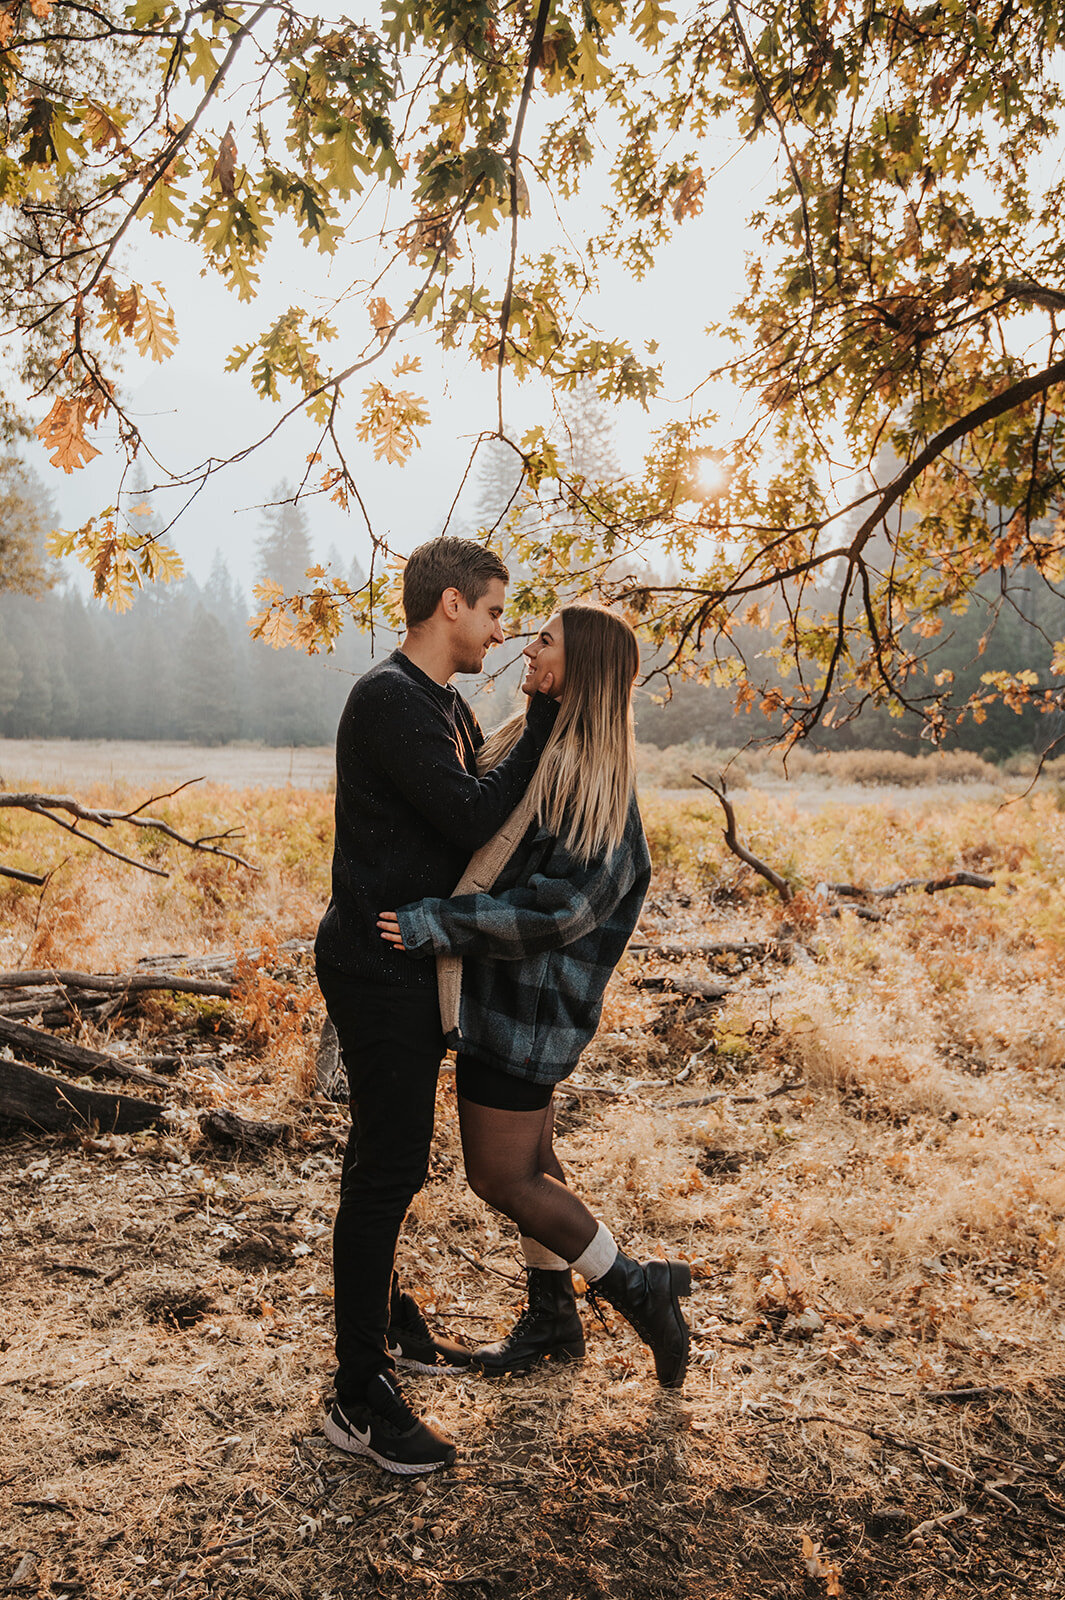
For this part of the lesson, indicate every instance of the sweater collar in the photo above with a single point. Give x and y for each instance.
(445, 692)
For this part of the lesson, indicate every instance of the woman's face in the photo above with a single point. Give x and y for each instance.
(546, 656)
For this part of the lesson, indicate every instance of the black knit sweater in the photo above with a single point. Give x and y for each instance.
(410, 810)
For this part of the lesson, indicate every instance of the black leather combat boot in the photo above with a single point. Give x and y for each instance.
(549, 1329)
(648, 1297)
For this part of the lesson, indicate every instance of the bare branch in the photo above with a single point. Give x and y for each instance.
(49, 805)
(783, 889)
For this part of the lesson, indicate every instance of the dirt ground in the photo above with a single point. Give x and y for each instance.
(167, 1342)
(859, 1151)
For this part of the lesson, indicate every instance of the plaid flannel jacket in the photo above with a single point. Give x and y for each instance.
(544, 943)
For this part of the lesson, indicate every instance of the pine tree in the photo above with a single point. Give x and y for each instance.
(284, 550)
(208, 702)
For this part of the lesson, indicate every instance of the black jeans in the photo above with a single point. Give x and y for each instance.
(391, 1042)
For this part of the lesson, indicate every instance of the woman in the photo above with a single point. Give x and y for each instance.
(567, 875)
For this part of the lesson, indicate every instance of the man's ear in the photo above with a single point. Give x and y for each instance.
(451, 599)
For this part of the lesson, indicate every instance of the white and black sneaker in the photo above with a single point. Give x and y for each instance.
(385, 1428)
(411, 1343)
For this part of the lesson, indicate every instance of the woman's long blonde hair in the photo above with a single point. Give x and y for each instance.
(582, 787)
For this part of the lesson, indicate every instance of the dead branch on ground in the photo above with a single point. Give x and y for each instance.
(842, 891)
(783, 889)
(952, 880)
(228, 1128)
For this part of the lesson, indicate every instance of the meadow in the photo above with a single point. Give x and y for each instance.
(858, 1148)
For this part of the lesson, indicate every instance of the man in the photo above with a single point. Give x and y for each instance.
(410, 811)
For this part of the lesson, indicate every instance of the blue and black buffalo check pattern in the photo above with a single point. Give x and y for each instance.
(538, 950)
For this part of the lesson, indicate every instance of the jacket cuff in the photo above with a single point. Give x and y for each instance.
(414, 926)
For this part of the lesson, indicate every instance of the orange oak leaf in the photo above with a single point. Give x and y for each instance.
(63, 434)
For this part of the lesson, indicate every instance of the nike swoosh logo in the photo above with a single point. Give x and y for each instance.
(395, 1351)
(362, 1434)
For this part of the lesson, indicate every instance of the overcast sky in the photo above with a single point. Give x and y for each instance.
(189, 408)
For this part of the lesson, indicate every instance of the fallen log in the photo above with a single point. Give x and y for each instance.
(227, 1128)
(682, 985)
(114, 983)
(54, 1106)
(727, 947)
(37, 1045)
(224, 963)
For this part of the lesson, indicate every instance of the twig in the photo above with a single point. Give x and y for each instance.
(964, 1394)
(953, 880)
(36, 878)
(937, 1522)
(723, 948)
(482, 1266)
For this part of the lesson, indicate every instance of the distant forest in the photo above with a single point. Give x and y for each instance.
(181, 665)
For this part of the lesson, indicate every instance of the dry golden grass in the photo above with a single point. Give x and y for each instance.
(860, 1152)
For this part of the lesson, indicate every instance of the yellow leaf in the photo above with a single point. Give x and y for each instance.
(161, 563)
(275, 628)
(155, 332)
(688, 201)
(42, 9)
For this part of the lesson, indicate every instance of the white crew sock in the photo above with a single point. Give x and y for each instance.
(538, 1255)
(597, 1258)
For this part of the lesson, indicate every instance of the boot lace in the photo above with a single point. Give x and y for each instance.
(594, 1298)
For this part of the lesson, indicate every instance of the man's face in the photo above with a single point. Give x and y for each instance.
(478, 627)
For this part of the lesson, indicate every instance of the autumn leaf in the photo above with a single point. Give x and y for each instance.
(688, 201)
(63, 434)
(102, 565)
(274, 627)
(389, 420)
(8, 17)
(224, 169)
(42, 9)
(381, 317)
(818, 1568)
(119, 315)
(103, 127)
(155, 332)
